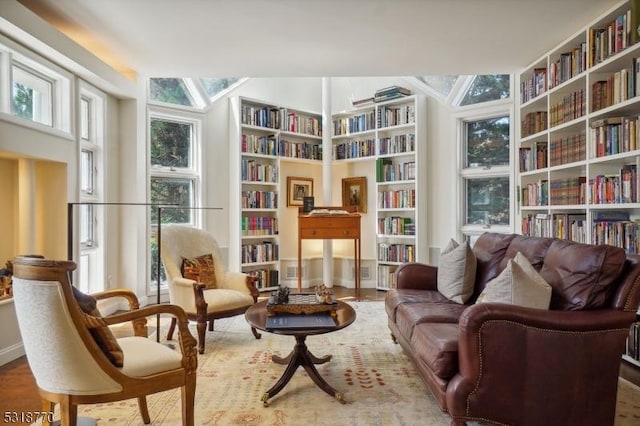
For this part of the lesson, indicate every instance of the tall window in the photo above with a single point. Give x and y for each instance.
(90, 217)
(486, 173)
(174, 173)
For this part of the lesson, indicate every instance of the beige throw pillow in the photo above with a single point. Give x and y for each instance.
(519, 284)
(457, 272)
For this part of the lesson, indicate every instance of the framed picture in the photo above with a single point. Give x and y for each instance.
(354, 193)
(297, 189)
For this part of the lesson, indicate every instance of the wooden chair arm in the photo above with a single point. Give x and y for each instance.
(140, 324)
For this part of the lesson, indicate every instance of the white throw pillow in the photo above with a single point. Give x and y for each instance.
(457, 272)
(519, 284)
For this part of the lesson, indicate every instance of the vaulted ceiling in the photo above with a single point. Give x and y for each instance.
(281, 38)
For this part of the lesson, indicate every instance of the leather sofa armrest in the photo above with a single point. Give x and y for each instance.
(418, 276)
(501, 346)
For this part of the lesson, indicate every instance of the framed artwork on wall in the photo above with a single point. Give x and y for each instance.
(297, 189)
(354, 193)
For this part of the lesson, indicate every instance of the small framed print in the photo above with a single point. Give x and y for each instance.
(297, 189)
(354, 193)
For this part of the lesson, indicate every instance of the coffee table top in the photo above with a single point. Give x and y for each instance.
(256, 315)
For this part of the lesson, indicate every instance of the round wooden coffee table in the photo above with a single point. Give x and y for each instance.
(300, 355)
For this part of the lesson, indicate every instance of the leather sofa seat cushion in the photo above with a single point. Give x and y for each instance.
(398, 297)
(582, 276)
(436, 344)
(409, 315)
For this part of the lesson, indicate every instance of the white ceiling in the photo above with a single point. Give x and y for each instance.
(283, 38)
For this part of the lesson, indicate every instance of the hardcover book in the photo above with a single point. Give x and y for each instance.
(283, 321)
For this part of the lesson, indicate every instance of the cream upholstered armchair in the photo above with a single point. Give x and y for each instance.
(75, 358)
(209, 293)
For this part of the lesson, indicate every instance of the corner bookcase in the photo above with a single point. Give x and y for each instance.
(391, 138)
(264, 135)
(579, 136)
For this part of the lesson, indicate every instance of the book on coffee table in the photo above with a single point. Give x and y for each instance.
(321, 320)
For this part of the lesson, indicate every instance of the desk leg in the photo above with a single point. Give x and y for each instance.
(299, 263)
(358, 267)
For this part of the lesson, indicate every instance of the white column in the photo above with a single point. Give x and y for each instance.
(327, 262)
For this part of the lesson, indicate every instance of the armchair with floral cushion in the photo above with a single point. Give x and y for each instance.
(199, 282)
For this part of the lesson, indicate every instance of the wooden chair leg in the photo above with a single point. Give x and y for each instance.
(172, 327)
(188, 392)
(202, 328)
(68, 412)
(144, 411)
(255, 333)
(211, 325)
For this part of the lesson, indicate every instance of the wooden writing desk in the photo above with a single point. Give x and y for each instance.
(330, 227)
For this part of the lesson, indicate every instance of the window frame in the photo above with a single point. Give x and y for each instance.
(478, 112)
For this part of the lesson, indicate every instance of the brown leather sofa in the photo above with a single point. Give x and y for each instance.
(510, 365)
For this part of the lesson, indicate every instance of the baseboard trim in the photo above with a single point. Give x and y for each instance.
(11, 353)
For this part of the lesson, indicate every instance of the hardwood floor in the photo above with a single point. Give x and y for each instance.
(20, 393)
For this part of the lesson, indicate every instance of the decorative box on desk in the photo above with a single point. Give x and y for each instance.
(300, 303)
(327, 223)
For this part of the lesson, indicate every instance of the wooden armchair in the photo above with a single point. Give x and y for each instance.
(73, 355)
(229, 294)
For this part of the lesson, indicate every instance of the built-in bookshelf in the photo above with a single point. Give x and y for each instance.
(581, 101)
(264, 135)
(392, 136)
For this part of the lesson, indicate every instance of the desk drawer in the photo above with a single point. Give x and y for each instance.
(328, 233)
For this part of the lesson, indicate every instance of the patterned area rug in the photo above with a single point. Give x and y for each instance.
(379, 382)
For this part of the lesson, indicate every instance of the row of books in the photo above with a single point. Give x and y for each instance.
(533, 86)
(396, 225)
(632, 349)
(281, 119)
(266, 251)
(400, 199)
(568, 149)
(259, 199)
(533, 157)
(572, 106)
(561, 225)
(357, 123)
(381, 95)
(615, 188)
(397, 144)
(255, 171)
(265, 278)
(396, 115)
(568, 65)
(396, 252)
(357, 148)
(618, 87)
(613, 135)
(533, 122)
(267, 145)
(386, 276)
(612, 38)
(388, 171)
(567, 191)
(258, 225)
(535, 193)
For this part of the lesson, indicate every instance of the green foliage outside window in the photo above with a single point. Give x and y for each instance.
(22, 101)
(169, 90)
(170, 143)
(488, 142)
(171, 192)
(488, 201)
(487, 88)
(213, 86)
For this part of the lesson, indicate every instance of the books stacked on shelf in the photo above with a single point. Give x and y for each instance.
(570, 226)
(397, 144)
(257, 171)
(536, 225)
(386, 276)
(400, 199)
(388, 171)
(568, 191)
(259, 225)
(356, 123)
(357, 148)
(568, 149)
(615, 188)
(534, 86)
(533, 122)
(255, 144)
(262, 116)
(568, 65)
(265, 278)
(389, 93)
(267, 251)
(613, 135)
(534, 158)
(396, 225)
(362, 102)
(618, 87)
(535, 193)
(615, 228)
(572, 106)
(259, 200)
(399, 253)
(633, 342)
(611, 38)
(305, 150)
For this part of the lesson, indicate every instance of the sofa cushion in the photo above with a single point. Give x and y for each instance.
(408, 315)
(490, 249)
(533, 248)
(456, 271)
(397, 297)
(518, 284)
(436, 344)
(582, 276)
(200, 269)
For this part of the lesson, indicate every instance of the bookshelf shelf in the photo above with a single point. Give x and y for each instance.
(587, 90)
